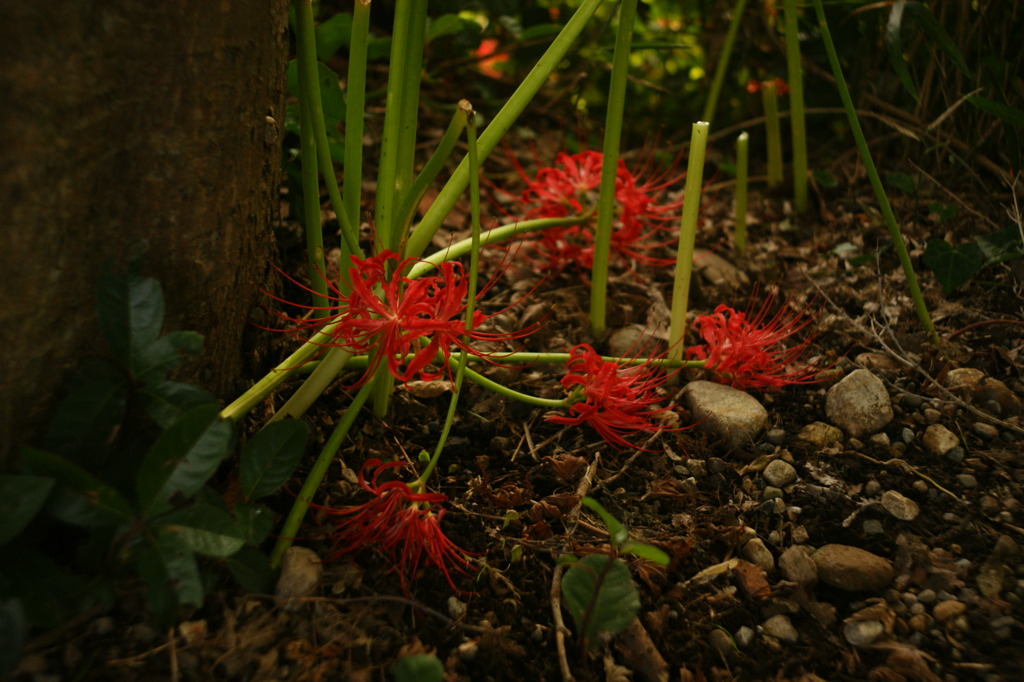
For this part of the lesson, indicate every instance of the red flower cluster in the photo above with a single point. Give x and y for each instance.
(402, 524)
(781, 87)
(570, 187)
(746, 350)
(616, 400)
(390, 314)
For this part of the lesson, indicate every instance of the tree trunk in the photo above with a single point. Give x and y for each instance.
(132, 128)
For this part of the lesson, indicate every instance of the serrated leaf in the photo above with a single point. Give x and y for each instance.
(251, 568)
(131, 311)
(79, 498)
(255, 521)
(894, 45)
(205, 529)
(184, 457)
(617, 601)
(86, 417)
(13, 631)
(170, 572)
(645, 551)
(419, 668)
(21, 498)
(167, 401)
(616, 530)
(953, 267)
(270, 457)
(332, 35)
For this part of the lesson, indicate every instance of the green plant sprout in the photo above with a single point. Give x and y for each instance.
(742, 164)
(795, 75)
(598, 589)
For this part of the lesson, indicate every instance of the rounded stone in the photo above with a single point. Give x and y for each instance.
(899, 507)
(756, 553)
(735, 416)
(938, 440)
(796, 566)
(301, 570)
(852, 569)
(862, 633)
(781, 628)
(820, 434)
(986, 431)
(859, 404)
(745, 636)
(721, 643)
(779, 473)
(946, 610)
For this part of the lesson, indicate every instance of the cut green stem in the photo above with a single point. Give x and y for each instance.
(742, 165)
(609, 168)
(687, 237)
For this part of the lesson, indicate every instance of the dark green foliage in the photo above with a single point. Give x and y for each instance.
(122, 485)
(954, 266)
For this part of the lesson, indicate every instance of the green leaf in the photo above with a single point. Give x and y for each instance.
(943, 211)
(21, 498)
(251, 568)
(901, 181)
(167, 401)
(894, 44)
(155, 360)
(419, 668)
(331, 97)
(332, 35)
(49, 592)
(1001, 246)
(953, 267)
(270, 457)
(131, 311)
(94, 406)
(79, 498)
(825, 179)
(205, 529)
(255, 521)
(13, 631)
(1005, 112)
(168, 568)
(184, 457)
(616, 530)
(645, 551)
(617, 601)
(446, 25)
(937, 35)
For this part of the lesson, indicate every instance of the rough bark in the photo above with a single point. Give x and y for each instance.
(132, 127)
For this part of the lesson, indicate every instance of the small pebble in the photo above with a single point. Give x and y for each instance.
(796, 566)
(907, 435)
(947, 610)
(852, 569)
(899, 507)
(920, 486)
(862, 633)
(986, 431)
(770, 492)
(912, 401)
(780, 627)
(917, 608)
(799, 535)
(301, 570)
(697, 467)
(873, 527)
(745, 636)
(920, 622)
(779, 473)
(721, 643)
(756, 553)
(456, 608)
(880, 441)
(926, 596)
(932, 415)
(872, 488)
(775, 436)
(967, 480)
(955, 455)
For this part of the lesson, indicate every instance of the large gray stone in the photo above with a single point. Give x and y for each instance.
(732, 414)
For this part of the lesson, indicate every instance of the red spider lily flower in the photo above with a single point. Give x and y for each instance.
(746, 350)
(753, 85)
(390, 314)
(570, 187)
(404, 525)
(488, 59)
(616, 400)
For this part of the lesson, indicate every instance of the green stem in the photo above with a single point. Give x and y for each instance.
(531, 85)
(355, 111)
(876, 182)
(687, 236)
(742, 165)
(411, 199)
(501, 389)
(409, 113)
(609, 166)
(529, 358)
(316, 383)
(311, 210)
(797, 120)
(317, 473)
(772, 132)
(723, 61)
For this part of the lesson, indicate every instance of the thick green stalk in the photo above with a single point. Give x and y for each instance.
(388, 172)
(316, 383)
(504, 119)
(742, 165)
(311, 213)
(609, 166)
(876, 182)
(409, 114)
(309, 88)
(355, 96)
(317, 473)
(772, 132)
(411, 198)
(687, 236)
(469, 116)
(797, 120)
(723, 61)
